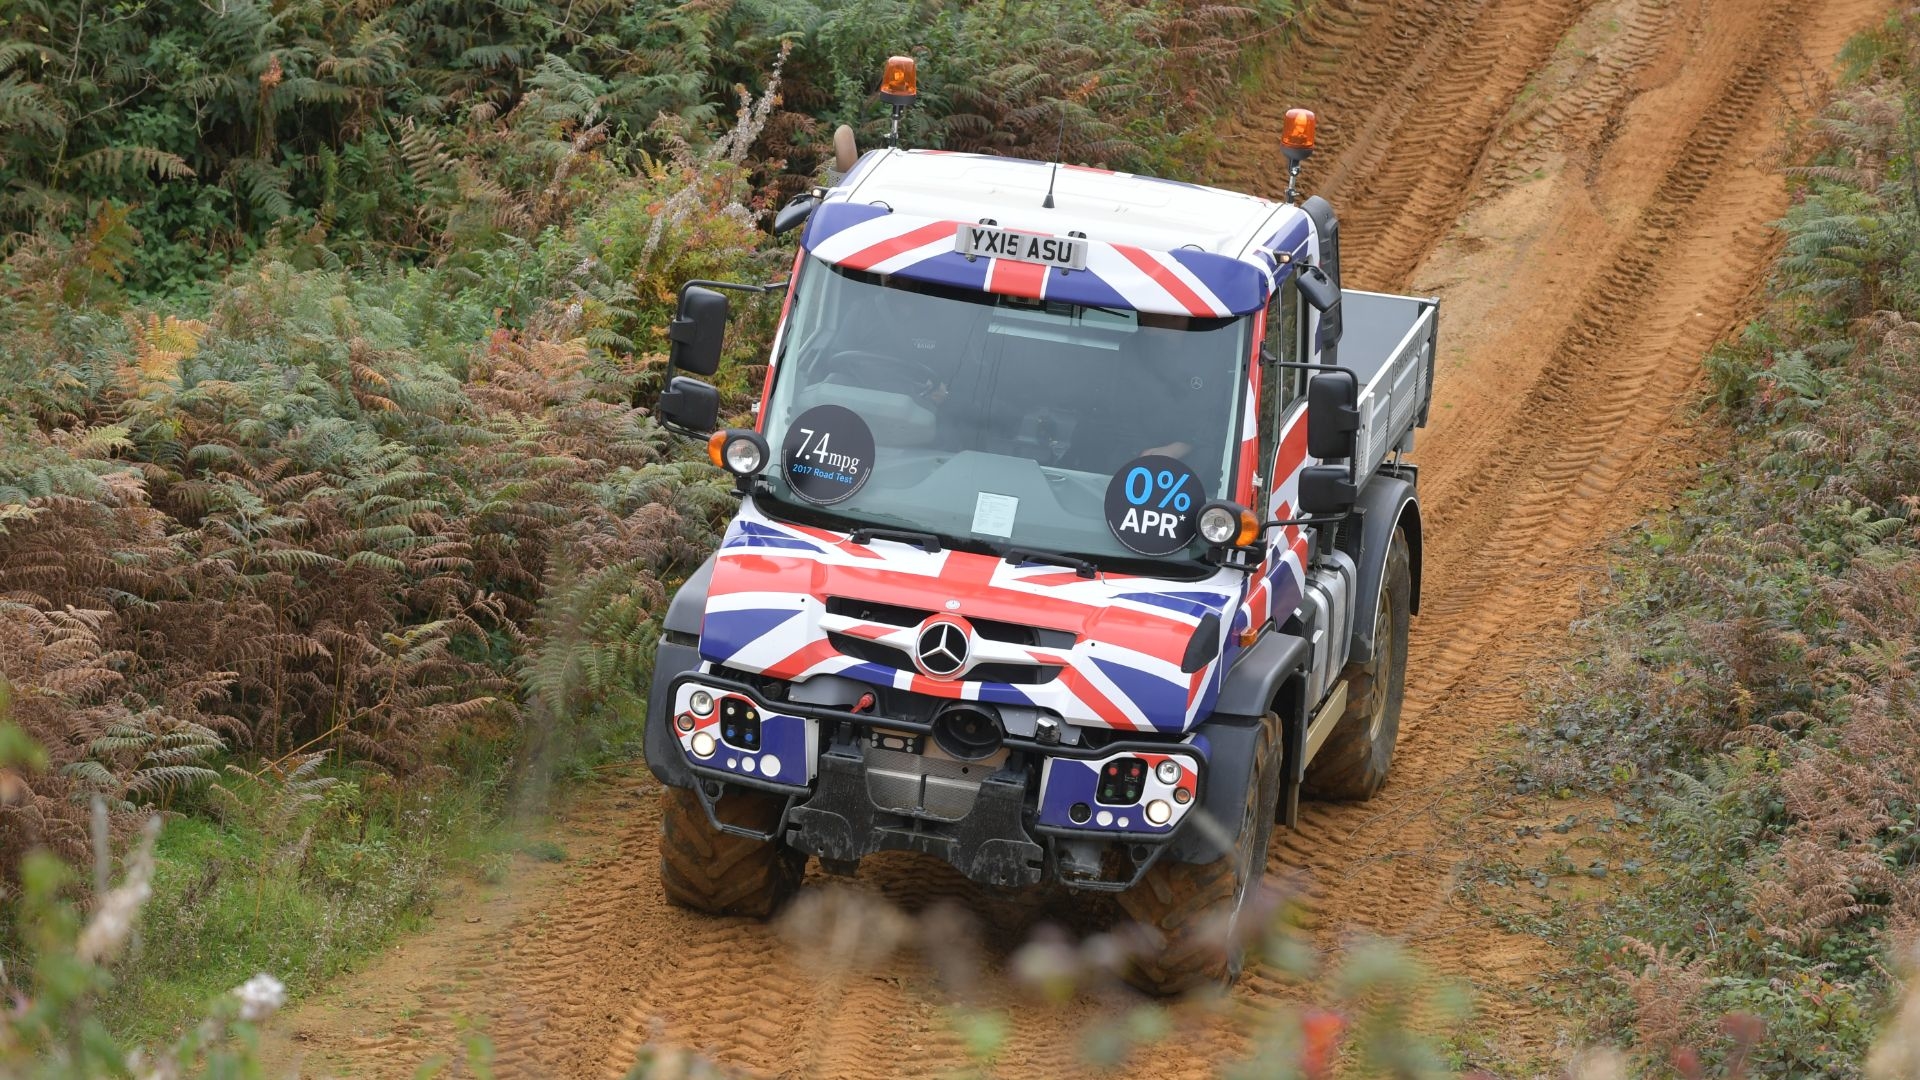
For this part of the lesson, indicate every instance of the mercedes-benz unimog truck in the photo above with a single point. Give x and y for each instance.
(1075, 544)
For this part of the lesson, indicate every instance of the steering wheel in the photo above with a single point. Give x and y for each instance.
(879, 371)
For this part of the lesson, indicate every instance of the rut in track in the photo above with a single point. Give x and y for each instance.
(1586, 184)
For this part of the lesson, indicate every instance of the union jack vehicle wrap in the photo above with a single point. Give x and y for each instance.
(771, 611)
(843, 678)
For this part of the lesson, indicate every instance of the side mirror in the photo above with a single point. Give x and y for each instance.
(689, 405)
(698, 331)
(1327, 490)
(1333, 414)
(794, 214)
(1320, 291)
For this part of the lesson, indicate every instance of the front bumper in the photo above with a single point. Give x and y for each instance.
(1037, 814)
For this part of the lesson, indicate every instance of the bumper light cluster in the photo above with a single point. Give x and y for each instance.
(1147, 793)
(729, 732)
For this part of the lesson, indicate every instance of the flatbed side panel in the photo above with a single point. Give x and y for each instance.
(1388, 345)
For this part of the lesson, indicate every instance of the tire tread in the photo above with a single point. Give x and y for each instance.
(707, 870)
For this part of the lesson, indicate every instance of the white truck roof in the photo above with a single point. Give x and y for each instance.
(1164, 215)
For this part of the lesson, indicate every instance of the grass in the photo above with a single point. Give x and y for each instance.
(307, 896)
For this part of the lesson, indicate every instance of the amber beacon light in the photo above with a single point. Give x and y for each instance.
(1296, 142)
(898, 81)
(1296, 132)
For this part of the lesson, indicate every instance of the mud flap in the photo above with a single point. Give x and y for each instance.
(664, 757)
(1383, 502)
(1207, 834)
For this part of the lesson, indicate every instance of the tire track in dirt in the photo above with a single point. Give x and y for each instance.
(1509, 506)
(1577, 306)
(1410, 108)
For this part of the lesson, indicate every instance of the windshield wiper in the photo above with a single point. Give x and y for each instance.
(1018, 555)
(925, 541)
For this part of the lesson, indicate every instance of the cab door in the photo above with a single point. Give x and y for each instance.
(1282, 395)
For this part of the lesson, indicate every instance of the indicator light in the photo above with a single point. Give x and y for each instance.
(740, 724)
(1158, 812)
(1183, 796)
(700, 702)
(684, 722)
(1122, 781)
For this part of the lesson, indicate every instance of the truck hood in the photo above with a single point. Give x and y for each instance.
(792, 602)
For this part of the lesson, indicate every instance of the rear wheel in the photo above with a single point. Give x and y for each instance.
(716, 872)
(1196, 908)
(1353, 763)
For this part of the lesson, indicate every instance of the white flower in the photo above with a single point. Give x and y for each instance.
(116, 912)
(260, 997)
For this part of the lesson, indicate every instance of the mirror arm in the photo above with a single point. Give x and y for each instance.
(1281, 523)
(736, 286)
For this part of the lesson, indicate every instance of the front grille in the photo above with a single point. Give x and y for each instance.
(991, 629)
(874, 652)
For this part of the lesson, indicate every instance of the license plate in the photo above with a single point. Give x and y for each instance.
(1065, 252)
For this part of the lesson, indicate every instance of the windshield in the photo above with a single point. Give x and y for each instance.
(996, 419)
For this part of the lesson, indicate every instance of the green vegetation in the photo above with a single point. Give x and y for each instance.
(1752, 686)
(327, 526)
(414, 129)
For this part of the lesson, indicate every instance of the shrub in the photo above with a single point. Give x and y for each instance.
(1764, 636)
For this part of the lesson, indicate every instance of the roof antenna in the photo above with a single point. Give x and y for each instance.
(1059, 146)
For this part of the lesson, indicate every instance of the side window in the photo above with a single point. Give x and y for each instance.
(1279, 386)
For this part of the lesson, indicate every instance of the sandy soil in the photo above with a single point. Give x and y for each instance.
(1587, 185)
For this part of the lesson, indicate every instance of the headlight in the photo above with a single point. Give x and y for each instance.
(701, 702)
(1158, 812)
(740, 451)
(1224, 523)
(1168, 771)
(703, 744)
(746, 454)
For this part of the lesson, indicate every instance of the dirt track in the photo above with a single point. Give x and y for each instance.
(1586, 184)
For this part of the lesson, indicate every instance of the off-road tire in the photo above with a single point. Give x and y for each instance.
(1195, 907)
(716, 872)
(1353, 762)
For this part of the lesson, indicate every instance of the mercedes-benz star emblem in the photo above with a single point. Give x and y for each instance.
(942, 649)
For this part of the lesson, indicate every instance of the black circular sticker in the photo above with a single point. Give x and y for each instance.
(1153, 504)
(827, 454)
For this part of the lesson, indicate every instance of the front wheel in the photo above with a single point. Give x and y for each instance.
(717, 872)
(1354, 762)
(1196, 908)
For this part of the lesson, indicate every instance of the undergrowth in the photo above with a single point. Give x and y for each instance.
(414, 129)
(1753, 683)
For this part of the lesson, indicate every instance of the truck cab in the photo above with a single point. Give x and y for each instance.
(1075, 543)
